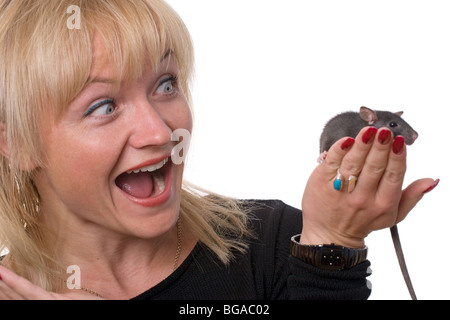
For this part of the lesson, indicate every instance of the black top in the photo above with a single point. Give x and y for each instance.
(266, 271)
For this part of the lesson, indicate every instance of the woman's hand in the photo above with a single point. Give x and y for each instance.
(378, 201)
(14, 287)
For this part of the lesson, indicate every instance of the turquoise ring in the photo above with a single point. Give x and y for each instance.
(338, 181)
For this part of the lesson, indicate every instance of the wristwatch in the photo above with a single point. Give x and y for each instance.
(327, 256)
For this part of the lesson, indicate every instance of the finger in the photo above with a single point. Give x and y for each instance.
(376, 162)
(413, 194)
(392, 180)
(6, 293)
(19, 287)
(335, 155)
(354, 161)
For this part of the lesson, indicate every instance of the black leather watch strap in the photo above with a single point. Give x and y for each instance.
(329, 256)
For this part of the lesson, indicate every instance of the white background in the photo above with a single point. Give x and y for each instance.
(269, 74)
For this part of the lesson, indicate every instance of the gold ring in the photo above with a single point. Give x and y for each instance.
(351, 183)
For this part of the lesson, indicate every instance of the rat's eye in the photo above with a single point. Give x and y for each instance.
(393, 124)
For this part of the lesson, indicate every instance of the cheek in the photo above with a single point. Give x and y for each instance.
(179, 116)
(188, 121)
(74, 162)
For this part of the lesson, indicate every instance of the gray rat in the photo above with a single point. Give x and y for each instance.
(349, 124)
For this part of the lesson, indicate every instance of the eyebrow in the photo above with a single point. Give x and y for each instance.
(168, 53)
(102, 80)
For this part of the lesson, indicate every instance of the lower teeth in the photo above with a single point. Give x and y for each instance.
(158, 179)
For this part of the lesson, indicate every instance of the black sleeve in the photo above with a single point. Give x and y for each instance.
(307, 282)
(294, 279)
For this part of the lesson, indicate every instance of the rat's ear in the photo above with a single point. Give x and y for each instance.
(399, 113)
(368, 115)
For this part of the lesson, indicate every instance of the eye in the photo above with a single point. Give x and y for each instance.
(102, 108)
(168, 86)
(393, 124)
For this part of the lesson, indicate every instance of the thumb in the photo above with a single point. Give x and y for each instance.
(413, 194)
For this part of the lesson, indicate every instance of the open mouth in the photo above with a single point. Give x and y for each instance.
(145, 182)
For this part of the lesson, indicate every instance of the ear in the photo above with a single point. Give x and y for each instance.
(26, 164)
(4, 148)
(399, 113)
(368, 115)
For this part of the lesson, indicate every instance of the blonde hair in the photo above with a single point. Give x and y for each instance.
(44, 65)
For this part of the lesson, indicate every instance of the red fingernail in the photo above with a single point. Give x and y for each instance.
(384, 136)
(434, 185)
(369, 134)
(347, 144)
(399, 143)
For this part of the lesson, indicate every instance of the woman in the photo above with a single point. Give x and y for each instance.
(93, 97)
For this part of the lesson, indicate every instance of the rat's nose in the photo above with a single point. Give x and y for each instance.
(412, 138)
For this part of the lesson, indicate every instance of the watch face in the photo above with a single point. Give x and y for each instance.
(332, 257)
(328, 256)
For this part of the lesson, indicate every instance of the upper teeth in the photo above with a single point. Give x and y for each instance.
(150, 168)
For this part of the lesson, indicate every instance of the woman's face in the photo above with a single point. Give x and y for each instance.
(108, 156)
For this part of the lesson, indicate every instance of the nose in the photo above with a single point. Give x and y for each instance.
(148, 127)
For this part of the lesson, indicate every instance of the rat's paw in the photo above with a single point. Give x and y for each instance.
(322, 157)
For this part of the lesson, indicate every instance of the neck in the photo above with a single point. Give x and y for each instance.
(118, 266)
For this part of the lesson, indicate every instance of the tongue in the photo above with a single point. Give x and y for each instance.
(139, 185)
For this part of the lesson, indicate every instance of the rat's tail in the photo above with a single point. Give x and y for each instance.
(401, 261)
